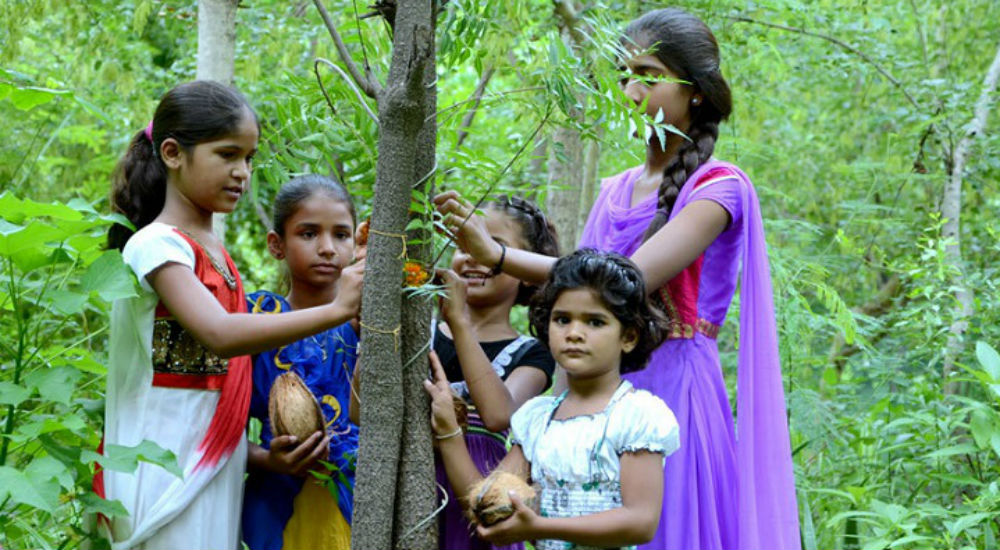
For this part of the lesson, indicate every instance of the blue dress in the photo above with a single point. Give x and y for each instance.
(325, 362)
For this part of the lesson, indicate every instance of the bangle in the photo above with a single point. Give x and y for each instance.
(457, 432)
(498, 269)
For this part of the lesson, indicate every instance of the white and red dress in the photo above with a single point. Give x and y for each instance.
(166, 387)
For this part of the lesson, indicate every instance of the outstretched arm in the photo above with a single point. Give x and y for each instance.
(231, 334)
(635, 522)
(661, 258)
(472, 236)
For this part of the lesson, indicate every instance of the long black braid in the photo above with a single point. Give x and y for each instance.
(688, 48)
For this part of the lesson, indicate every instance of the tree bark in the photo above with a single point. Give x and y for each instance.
(565, 184)
(216, 56)
(416, 488)
(569, 189)
(951, 211)
(402, 110)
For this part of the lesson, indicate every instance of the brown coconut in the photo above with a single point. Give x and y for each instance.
(292, 408)
(489, 500)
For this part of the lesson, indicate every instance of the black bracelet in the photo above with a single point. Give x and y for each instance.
(498, 269)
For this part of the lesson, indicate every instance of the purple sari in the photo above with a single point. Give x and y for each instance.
(720, 491)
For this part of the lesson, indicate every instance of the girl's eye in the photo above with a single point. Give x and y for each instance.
(560, 320)
(344, 236)
(597, 323)
(308, 234)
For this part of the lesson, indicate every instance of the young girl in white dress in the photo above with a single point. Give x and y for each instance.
(596, 451)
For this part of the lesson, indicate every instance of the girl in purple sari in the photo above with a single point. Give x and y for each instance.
(693, 226)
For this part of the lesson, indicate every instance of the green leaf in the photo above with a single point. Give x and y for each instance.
(95, 504)
(65, 302)
(29, 97)
(962, 448)
(13, 394)
(54, 384)
(981, 426)
(125, 459)
(47, 467)
(989, 359)
(31, 490)
(109, 277)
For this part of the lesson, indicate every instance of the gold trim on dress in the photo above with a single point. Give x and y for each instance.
(176, 351)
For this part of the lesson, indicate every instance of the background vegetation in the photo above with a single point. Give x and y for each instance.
(847, 116)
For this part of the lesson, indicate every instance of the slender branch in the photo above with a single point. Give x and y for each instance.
(366, 82)
(477, 97)
(951, 210)
(496, 95)
(838, 42)
(496, 180)
(347, 79)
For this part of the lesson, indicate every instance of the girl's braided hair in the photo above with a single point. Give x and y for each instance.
(536, 231)
(687, 47)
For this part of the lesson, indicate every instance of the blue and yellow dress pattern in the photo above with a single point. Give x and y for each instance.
(285, 512)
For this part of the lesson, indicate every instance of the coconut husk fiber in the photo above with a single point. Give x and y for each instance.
(292, 408)
(489, 500)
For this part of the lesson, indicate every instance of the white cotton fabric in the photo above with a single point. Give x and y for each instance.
(576, 461)
(202, 509)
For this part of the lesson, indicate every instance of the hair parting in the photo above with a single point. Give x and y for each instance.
(618, 283)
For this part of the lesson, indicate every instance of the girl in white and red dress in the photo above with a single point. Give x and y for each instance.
(180, 371)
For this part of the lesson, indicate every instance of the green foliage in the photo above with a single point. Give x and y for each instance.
(849, 164)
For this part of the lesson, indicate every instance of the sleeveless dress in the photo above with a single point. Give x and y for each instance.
(486, 448)
(164, 386)
(287, 512)
(720, 491)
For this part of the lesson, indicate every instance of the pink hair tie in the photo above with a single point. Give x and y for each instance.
(149, 131)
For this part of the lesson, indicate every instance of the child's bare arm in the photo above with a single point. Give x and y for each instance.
(495, 399)
(635, 522)
(231, 334)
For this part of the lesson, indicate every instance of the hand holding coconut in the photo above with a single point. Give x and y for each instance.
(289, 456)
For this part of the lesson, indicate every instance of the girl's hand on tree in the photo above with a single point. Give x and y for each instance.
(519, 527)
(288, 456)
(454, 308)
(443, 420)
(470, 231)
(349, 287)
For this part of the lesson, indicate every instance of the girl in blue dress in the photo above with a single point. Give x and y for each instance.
(285, 506)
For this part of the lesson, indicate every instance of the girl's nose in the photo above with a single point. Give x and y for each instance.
(635, 90)
(242, 171)
(325, 243)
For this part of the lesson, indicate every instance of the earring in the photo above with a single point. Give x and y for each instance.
(695, 101)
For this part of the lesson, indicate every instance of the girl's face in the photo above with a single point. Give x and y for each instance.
(651, 81)
(484, 289)
(318, 242)
(212, 176)
(585, 337)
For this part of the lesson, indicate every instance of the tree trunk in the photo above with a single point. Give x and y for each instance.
(565, 185)
(402, 111)
(951, 211)
(416, 488)
(216, 56)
